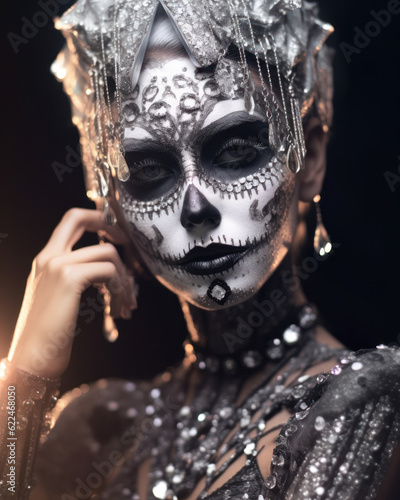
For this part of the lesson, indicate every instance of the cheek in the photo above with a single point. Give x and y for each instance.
(153, 233)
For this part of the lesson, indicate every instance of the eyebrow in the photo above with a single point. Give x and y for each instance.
(134, 145)
(227, 122)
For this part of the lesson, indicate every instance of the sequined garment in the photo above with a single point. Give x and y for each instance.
(336, 445)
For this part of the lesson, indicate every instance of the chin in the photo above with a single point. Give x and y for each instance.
(238, 284)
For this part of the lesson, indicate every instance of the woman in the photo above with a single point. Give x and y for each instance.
(198, 159)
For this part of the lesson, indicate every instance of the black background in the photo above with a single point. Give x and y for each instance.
(356, 289)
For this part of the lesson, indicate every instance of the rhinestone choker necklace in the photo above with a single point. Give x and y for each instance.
(262, 348)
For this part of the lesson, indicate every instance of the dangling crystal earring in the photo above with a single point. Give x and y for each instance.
(109, 215)
(322, 241)
(110, 330)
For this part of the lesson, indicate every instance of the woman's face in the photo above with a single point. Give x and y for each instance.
(211, 210)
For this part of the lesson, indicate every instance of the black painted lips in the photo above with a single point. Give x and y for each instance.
(212, 259)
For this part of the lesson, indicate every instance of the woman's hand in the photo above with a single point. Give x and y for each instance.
(45, 328)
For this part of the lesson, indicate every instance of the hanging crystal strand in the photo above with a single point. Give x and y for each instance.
(117, 52)
(100, 172)
(274, 119)
(242, 54)
(110, 331)
(293, 160)
(103, 115)
(115, 148)
(264, 89)
(298, 124)
(104, 64)
(322, 241)
(121, 166)
(280, 82)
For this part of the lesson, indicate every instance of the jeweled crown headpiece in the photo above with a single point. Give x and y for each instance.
(107, 40)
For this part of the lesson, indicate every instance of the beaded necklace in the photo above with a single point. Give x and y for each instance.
(196, 437)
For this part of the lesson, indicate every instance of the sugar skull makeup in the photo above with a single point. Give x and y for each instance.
(202, 154)
(210, 206)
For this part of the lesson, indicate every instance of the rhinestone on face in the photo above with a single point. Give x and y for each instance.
(219, 291)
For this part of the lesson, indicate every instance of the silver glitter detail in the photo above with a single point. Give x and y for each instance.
(108, 38)
(319, 423)
(270, 482)
(291, 335)
(160, 490)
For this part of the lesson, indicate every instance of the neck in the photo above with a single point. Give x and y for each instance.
(233, 329)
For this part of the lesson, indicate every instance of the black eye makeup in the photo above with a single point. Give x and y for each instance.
(228, 149)
(237, 151)
(153, 173)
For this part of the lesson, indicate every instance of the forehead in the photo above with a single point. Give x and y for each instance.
(174, 99)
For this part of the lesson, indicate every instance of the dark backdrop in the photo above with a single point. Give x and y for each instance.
(356, 288)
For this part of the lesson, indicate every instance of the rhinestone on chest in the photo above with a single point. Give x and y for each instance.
(206, 437)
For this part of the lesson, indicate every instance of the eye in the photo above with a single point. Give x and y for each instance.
(238, 152)
(239, 157)
(148, 171)
(150, 178)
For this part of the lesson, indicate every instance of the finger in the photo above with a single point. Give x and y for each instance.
(87, 274)
(103, 253)
(114, 234)
(71, 227)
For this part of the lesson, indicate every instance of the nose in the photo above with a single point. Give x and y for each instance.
(197, 210)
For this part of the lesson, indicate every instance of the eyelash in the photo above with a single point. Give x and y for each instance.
(237, 141)
(138, 165)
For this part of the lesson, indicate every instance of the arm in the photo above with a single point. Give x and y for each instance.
(42, 342)
(25, 401)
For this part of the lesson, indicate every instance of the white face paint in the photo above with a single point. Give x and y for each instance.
(211, 209)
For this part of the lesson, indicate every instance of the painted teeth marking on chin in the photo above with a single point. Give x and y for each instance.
(219, 239)
(224, 237)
